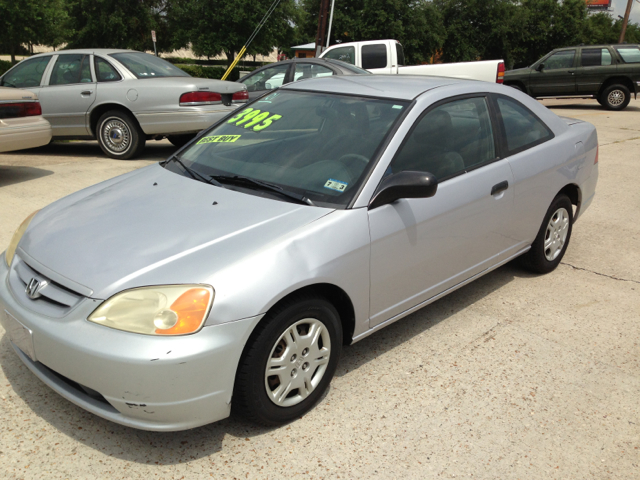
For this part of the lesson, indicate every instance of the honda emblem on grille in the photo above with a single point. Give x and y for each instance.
(33, 288)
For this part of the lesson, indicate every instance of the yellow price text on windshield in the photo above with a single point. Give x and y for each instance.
(257, 119)
(219, 139)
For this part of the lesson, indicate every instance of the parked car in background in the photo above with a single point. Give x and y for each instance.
(273, 76)
(122, 97)
(306, 221)
(387, 57)
(21, 122)
(608, 73)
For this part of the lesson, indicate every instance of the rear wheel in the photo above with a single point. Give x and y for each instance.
(181, 140)
(615, 97)
(553, 237)
(289, 363)
(119, 135)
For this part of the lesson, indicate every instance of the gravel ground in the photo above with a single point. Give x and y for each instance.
(513, 376)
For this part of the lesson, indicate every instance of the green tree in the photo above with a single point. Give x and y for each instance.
(482, 30)
(417, 24)
(29, 22)
(117, 23)
(602, 29)
(213, 27)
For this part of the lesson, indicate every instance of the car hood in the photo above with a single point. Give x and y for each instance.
(144, 228)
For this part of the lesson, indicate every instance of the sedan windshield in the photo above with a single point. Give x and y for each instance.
(143, 65)
(317, 146)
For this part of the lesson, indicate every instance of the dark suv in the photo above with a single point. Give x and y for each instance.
(609, 73)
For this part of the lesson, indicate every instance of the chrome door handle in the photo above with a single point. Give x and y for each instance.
(86, 92)
(499, 187)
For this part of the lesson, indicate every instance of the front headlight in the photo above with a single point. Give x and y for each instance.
(17, 235)
(161, 310)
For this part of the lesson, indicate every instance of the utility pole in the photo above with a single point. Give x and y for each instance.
(322, 26)
(625, 21)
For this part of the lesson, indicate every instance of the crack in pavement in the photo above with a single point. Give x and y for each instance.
(619, 141)
(601, 274)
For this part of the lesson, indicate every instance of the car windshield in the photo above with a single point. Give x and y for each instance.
(143, 65)
(315, 145)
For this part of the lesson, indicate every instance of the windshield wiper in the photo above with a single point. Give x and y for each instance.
(252, 182)
(192, 173)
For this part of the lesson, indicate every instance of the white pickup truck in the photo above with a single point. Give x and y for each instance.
(387, 56)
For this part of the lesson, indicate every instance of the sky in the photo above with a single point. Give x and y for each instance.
(619, 7)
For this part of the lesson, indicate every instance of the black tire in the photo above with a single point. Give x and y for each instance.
(181, 140)
(119, 135)
(615, 97)
(544, 260)
(250, 397)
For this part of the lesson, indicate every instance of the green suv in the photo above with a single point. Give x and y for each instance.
(608, 73)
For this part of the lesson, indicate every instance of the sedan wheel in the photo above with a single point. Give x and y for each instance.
(553, 237)
(119, 135)
(297, 362)
(288, 362)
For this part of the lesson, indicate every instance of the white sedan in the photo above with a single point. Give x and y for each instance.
(21, 122)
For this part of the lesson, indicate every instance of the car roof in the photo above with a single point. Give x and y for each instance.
(406, 87)
(600, 45)
(86, 51)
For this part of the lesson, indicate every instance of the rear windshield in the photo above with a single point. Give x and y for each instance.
(313, 144)
(629, 54)
(143, 65)
(349, 67)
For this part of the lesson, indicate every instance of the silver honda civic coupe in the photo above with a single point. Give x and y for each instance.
(122, 97)
(229, 277)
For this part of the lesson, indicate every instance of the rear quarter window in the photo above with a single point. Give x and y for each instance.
(629, 54)
(522, 128)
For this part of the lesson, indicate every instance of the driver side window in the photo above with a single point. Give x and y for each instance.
(267, 79)
(27, 73)
(449, 140)
(559, 60)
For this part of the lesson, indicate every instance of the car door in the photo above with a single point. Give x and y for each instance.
(266, 79)
(28, 74)
(421, 247)
(69, 93)
(596, 65)
(556, 76)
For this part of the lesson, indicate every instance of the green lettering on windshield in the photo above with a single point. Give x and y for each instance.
(255, 118)
(219, 139)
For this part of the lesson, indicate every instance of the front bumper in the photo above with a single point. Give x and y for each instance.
(141, 381)
(183, 120)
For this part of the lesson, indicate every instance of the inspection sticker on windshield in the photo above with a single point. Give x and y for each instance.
(336, 185)
(219, 139)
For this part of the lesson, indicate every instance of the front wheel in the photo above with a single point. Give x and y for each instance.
(615, 97)
(553, 237)
(119, 135)
(289, 362)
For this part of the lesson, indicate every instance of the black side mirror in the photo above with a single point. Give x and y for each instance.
(540, 67)
(404, 185)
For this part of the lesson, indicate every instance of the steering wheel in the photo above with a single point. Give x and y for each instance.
(355, 163)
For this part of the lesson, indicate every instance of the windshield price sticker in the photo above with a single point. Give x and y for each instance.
(336, 185)
(219, 139)
(257, 119)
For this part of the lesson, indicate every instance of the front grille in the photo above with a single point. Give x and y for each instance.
(55, 300)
